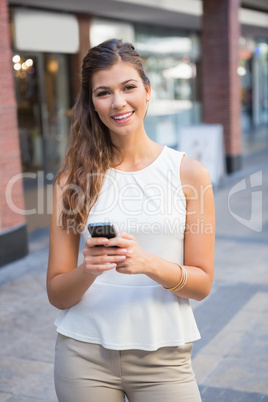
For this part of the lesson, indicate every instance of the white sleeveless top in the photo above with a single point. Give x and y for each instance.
(122, 311)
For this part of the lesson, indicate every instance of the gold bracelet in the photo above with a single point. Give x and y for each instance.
(182, 282)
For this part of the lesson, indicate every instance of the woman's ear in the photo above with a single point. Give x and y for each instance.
(148, 93)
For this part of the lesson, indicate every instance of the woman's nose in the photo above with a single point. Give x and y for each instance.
(118, 101)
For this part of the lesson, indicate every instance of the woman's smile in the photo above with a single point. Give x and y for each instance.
(122, 118)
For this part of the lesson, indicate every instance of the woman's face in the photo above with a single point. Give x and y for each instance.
(119, 98)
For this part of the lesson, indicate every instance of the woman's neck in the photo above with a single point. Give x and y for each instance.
(137, 154)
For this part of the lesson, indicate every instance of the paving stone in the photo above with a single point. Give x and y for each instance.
(34, 318)
(222, 344)
(243, 320)
(229, 301)
(4, 397)
(26, 378)
(12, 398)
(261, 325)
(232, 266)
(30, 346)
(242, 375)
(258, 303)
(252, 345)
(203, 366)
(244, 337)
(210, 394)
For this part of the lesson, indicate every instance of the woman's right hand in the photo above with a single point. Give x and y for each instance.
(67, 282)
(99, 258)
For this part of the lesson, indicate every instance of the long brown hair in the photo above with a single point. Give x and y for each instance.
(90, 152)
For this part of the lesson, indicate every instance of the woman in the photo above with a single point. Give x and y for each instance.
(127, 326)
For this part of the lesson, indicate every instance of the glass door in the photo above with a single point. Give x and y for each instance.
(43, 109)
(27, 87)
(56, 109)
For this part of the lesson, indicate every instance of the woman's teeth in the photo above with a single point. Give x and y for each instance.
(123, 116)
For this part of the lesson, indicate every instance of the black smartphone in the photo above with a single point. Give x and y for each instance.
(102, 229)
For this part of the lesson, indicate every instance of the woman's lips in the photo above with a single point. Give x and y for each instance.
(122, 117)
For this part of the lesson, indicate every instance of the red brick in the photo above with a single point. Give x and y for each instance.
(9, 142)
(221, 83)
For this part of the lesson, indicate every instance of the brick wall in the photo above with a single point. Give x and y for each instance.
(221, 83)
(10, 164)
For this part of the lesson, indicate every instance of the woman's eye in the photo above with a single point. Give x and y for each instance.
(129, 87)
(103, 93)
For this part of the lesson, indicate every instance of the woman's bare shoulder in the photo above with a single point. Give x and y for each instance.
(194, 172)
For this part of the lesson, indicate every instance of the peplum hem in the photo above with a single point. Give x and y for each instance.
(142, 317)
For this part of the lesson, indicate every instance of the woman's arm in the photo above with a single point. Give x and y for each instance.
(67, 282)
(199, 240)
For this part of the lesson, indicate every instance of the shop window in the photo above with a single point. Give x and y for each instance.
(43, 102)
(28, 110)
(170, 60)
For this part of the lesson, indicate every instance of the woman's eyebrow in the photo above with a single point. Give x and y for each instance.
(125, 82)
(122, 83)
(102, 87)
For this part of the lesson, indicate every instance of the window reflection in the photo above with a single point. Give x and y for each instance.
(56, 108)
(43, 102)
(170, 62)
(28, 111)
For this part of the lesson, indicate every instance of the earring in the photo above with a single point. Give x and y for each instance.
(148, 98)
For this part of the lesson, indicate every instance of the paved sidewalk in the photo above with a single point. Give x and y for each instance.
(231, 359)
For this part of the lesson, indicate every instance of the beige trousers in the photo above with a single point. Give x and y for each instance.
(86, 372)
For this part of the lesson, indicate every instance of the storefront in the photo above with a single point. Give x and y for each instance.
(43, 101)
(246, 53)
(261, 82)
(253, 70)
(42, 85)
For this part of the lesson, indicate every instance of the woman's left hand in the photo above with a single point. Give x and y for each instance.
(137, 259)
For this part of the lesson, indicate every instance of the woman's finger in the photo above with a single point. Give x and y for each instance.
(115, 250)
(119, 242)
(104, 259)
(96, 241)
(125, 235)
(98, 269)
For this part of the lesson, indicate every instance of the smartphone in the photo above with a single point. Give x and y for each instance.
(102, 229)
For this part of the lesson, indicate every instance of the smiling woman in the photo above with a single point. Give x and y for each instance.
(126, 327)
